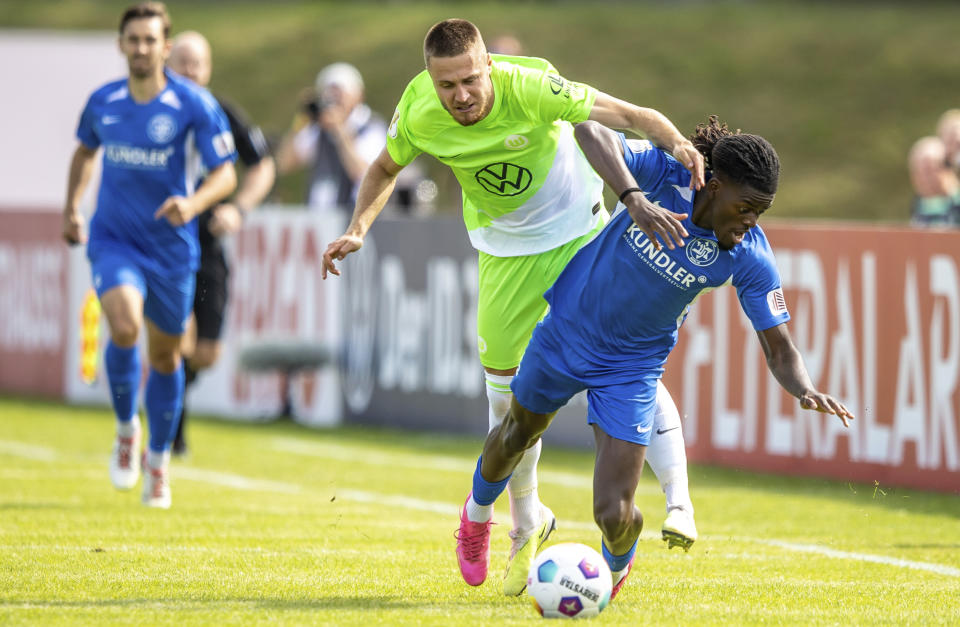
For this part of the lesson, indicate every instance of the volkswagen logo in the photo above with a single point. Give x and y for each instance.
(504, 179)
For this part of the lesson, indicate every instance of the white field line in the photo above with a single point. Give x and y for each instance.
(940, 569)
(357, 454)
(28, 451)
(240, 482)
(237, 482)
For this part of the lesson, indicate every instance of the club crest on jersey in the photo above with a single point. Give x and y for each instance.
(702, 252)
(516, 142)
(161, 128)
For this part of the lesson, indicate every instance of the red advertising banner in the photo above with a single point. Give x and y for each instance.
(33, 310)
(876, 315)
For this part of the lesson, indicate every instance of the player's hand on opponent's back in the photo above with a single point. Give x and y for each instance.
(826, 404)
(73, 231)
(177, 210)
(655, 220)
(225, 219)
(337, 250)
(691, 159)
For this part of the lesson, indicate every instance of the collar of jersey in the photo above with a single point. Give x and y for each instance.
(167, 75)
(698, 231)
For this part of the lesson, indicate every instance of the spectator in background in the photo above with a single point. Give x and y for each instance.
(933, 163)
(948, 130)
(336, 135)
(506, 44)
(190, 57)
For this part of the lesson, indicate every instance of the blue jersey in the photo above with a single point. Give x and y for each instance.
(620, 302)
(152, 151)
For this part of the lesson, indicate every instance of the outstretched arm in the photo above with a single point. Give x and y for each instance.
(617, 113)
(604, 151)
(375, 189)
(786, 364)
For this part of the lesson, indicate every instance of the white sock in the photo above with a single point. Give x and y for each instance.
(524, 497)
(158, 460)
(667, 455)
(522, 488)
(478, 513)
(129, 428)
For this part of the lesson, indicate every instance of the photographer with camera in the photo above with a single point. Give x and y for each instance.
(336, 135)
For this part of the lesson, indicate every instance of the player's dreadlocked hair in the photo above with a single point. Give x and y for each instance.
(738, 157)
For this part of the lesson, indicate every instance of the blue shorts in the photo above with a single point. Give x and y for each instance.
(622, 405)
(167, 298)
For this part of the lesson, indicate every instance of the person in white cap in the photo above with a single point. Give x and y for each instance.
(336, 135)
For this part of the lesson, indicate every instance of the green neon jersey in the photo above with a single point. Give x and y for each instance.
(527, 187)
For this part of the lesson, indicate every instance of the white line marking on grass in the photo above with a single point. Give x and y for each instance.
(237, 482)
(940, 569)
(240, 482)
(424, 461)
(451, 510)
(29, 451)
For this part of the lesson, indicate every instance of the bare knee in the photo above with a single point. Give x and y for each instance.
(616, 517)
(164, 360)
(163, 349)
(205, 354)
(124, 334)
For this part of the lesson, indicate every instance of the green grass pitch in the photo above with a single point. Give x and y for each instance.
(277, 523)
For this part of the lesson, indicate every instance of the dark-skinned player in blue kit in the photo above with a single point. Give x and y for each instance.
(616, 309)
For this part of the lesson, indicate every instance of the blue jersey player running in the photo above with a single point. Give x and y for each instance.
(616, 308)
(158, 133)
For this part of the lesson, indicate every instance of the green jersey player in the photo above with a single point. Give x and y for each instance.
(504, 125)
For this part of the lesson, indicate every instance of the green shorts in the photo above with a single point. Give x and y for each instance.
(510, 300)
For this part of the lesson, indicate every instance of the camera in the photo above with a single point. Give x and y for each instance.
(313, 107)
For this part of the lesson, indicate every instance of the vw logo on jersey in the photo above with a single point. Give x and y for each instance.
(702, 252)
(504, 179)
(161, 128)
(516, 142)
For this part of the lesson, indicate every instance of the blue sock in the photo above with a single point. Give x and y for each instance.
(485, 492)
(618, 562)
(163, 398)
(123, 375)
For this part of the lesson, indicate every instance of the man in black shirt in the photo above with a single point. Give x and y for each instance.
(190, 57)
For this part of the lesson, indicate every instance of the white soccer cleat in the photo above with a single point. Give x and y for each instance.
(156, 486)
(125, 462)
(679, 529)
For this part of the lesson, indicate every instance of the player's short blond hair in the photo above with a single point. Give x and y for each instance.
(450, 38)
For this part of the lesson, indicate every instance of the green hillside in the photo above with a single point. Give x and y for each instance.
(841, 89)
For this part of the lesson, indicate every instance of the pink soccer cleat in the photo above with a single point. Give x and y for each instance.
(618, 582)
(473, 548)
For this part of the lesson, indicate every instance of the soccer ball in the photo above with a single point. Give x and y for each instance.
(569, 580)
